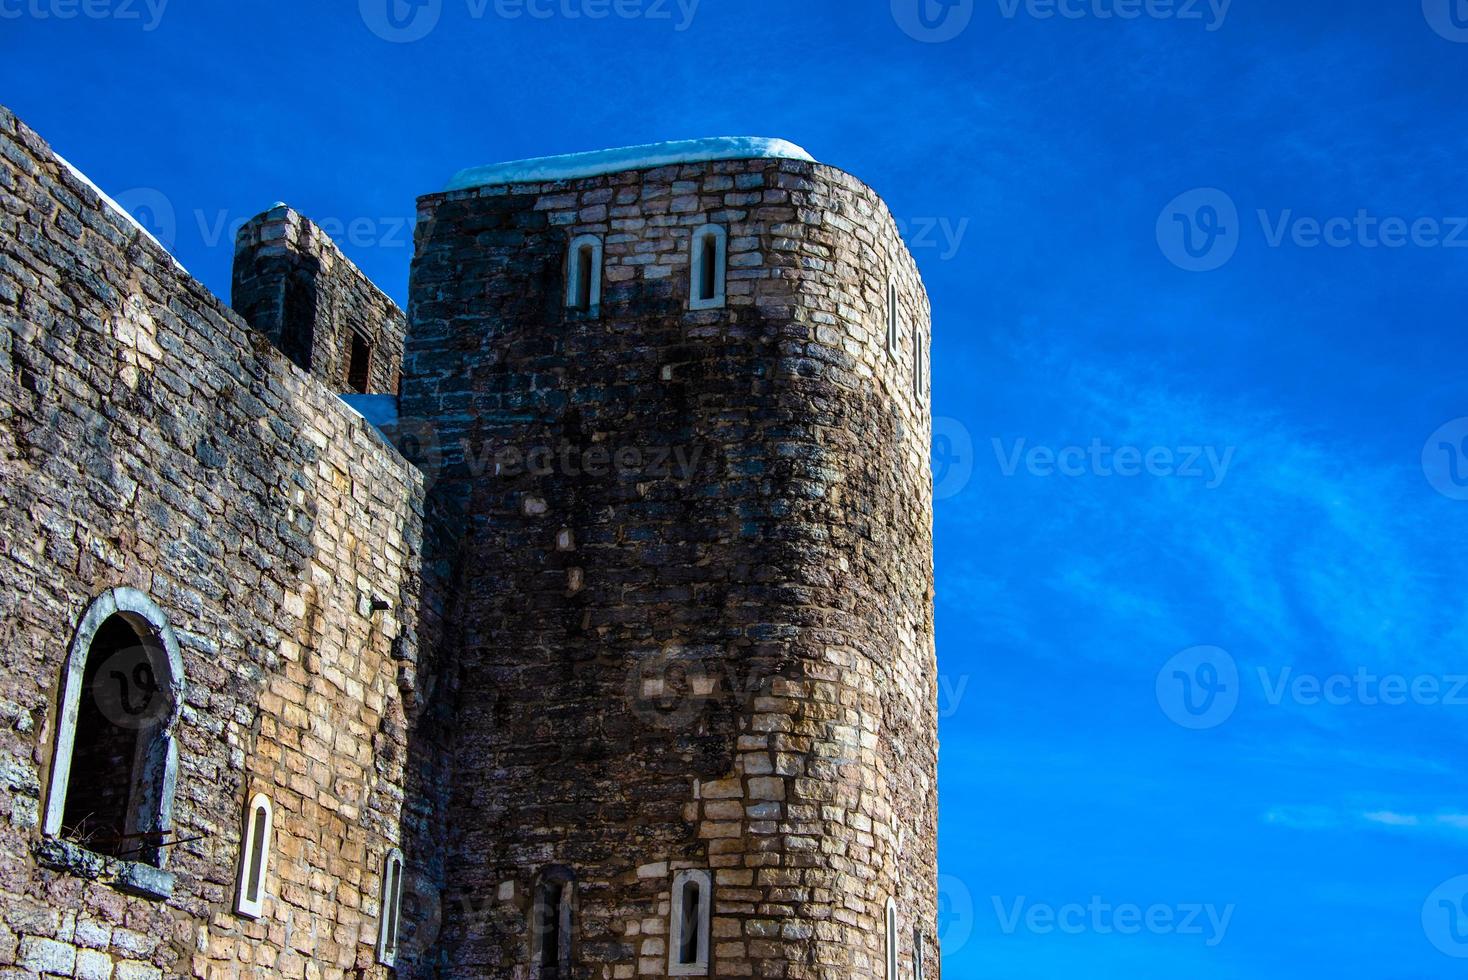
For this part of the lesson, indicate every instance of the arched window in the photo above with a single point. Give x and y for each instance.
(255, 857)
(551, 923)
(708, 264)
(392, 903)
(894, 320)
(918, 966)
(583, 275)
(892, 939)
(115, 760)
(688, 952)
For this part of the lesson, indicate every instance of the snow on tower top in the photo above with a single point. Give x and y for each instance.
(570, 166)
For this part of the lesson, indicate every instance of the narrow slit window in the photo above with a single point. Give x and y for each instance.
(688, 954)
(255, 857)
(894, 321)
(392, 900)
(891, 940)
(918, 966)
(583, 275)
(551, 923)
(359, 363)
(919, 364)
(709, 263)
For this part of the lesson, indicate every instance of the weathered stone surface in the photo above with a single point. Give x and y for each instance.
(150, 438)
(744, 677)
(652, 595)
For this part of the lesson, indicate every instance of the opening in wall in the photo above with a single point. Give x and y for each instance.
(894, 320)
(392, 903)
(688, 949)
(708, 267)
(115, 759)
(255, 857)
(583, 275)
(891, 940)
(359, 363)
(551, 922)
(919, 364)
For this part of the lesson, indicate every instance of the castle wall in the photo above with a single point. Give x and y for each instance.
(150, 439)
(696, 609)
(294, 285)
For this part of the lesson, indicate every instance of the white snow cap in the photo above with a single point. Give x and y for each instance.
(570, 166)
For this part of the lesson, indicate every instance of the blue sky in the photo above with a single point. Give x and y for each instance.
(1063, 180)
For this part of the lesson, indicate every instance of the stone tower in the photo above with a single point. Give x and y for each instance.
(680, 413)
(576, 624)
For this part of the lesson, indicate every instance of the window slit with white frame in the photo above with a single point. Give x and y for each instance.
(584, 274)
(392, 900)
(894, 320)
(255, 857)
(708, 264)
(892, 951)
(688, 951)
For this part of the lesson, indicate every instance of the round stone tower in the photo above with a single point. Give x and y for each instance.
(680, 398)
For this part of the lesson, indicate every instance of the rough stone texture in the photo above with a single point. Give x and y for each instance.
(641, 592)
(149, 438)
(729, 666)
(295, 286)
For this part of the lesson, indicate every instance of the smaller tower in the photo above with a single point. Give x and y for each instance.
(293, 284)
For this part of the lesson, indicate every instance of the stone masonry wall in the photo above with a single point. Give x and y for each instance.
(295, 286)
(696, 614)
(149, 438)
